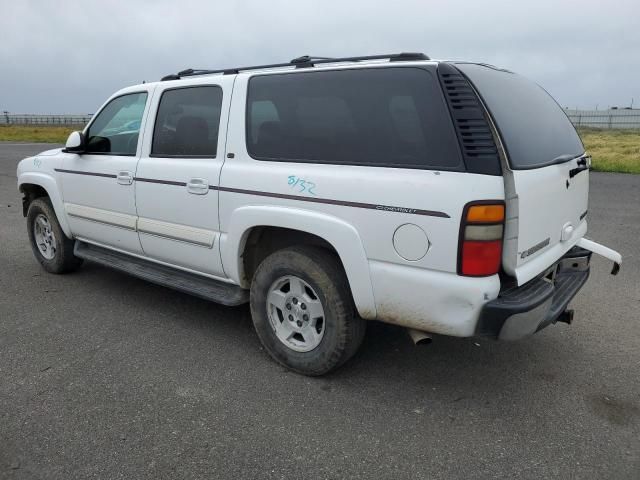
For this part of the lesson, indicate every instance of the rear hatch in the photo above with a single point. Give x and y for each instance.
(547, 177)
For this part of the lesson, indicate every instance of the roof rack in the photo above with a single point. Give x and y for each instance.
(305, 61)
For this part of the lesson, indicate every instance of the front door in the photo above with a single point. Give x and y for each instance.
(98, 185)
(177, 176)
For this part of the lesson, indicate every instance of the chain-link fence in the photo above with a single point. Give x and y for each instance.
(7, 118)
(620, 118)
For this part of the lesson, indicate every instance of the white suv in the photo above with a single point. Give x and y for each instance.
(444, 197)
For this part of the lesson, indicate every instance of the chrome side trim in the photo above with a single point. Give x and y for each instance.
(174, 231)
(99, 215)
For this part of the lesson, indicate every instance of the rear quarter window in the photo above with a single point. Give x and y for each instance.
(535, 130)
(393, 117)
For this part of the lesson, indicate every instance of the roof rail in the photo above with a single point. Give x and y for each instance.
(304, 61)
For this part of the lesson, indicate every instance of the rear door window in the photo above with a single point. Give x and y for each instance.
(534, 128)
(187, 123)
(393, 117)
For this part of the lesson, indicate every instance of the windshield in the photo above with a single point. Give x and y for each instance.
(534, 128)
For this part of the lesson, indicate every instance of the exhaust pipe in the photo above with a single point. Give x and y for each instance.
(419, 337)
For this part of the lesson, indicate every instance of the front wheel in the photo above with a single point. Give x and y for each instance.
(303, 311)
(51, 247)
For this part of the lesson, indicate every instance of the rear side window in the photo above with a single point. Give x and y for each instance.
(392, 117)
(187, 123)
(534, 128)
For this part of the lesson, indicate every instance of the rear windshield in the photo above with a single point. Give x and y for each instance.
(393, 117)
(534, 128)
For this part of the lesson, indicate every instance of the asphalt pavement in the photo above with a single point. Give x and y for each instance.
(105, 376)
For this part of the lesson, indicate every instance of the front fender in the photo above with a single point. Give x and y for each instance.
(340, 234)
(49, 183)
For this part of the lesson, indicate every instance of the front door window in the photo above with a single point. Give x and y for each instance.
(116, 128)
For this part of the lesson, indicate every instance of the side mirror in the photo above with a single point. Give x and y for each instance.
(75, 143)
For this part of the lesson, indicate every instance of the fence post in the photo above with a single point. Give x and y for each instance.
(6, 116)
(610, 118)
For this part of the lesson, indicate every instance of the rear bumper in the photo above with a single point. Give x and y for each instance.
(521, 311)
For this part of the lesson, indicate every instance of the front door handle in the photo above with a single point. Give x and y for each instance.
(125, 178)
(198, 186)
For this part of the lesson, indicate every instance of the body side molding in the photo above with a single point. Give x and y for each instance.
(173, 231)
(99, 215)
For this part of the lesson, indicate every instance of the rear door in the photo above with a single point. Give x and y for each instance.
(178, 173)
(546, 179)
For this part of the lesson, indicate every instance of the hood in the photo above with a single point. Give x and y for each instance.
(48, 153)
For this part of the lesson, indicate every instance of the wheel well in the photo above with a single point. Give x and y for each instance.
(31, 192)
(263, 241)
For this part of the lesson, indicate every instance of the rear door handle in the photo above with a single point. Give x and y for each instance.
(125, 178)
(198, 186)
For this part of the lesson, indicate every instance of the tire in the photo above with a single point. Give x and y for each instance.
(57, 255)
(339, 331)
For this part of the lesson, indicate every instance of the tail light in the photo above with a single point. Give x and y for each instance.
(481, 231)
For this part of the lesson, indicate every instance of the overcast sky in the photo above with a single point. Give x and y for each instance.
(67, 56)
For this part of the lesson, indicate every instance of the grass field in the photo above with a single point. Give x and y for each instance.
(612, 150)
(30, 133)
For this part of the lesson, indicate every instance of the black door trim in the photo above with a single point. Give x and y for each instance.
(326, 201)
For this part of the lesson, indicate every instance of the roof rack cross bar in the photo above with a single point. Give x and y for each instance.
(305, 61)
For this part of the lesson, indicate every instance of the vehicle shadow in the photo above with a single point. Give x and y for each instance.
(449, 369)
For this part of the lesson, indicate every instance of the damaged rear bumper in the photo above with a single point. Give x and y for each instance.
(603, 251)
(521, 311)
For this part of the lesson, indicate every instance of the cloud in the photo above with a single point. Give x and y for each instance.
(68, 56)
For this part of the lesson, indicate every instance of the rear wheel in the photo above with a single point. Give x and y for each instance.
(51, 247)
(303, 312)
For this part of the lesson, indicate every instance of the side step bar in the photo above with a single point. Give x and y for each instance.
(186, 282)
